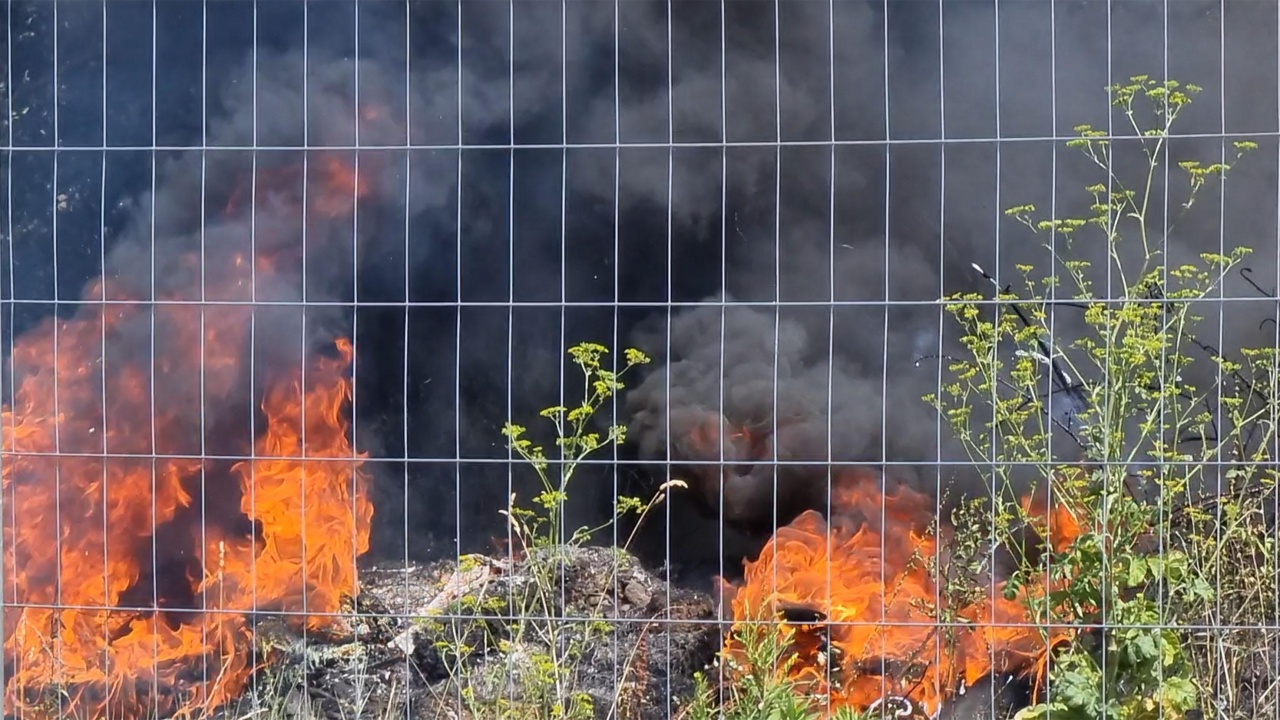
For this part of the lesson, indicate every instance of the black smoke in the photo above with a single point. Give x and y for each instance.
(748, 388)
(808, 386)
(473, 268)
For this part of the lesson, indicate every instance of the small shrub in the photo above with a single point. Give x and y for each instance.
(1143, 568)
(761, 689)
(542, 646)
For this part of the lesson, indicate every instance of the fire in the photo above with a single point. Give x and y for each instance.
(130, 572)
(310, 501)
(865, 618)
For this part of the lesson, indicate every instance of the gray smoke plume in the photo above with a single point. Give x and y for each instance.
(209, 209)
(749, 388)
(944, 115)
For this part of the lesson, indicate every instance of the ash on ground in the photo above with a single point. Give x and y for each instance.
(484, 638)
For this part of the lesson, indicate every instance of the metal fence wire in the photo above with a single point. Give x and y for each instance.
(630, 359)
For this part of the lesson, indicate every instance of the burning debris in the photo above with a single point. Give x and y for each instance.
(870, 615)
(80, 637)
(864, 596)
(168, 475)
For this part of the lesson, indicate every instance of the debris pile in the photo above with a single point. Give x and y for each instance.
(482, 638)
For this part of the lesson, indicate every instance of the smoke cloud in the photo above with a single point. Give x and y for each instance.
(908, 224)
(473, 268)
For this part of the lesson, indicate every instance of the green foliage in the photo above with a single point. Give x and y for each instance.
(542, 526)
(542, 645)
(760, 690)
(1141, 567)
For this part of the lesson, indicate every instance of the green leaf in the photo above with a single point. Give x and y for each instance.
(1178, 694)
(1137, 571)
(1077, 691)
(1142, 648)
(1033, 712)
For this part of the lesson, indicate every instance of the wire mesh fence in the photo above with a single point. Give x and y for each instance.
(640, 359)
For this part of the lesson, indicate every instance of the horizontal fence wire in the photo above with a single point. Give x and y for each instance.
(597, 461)
(640, 359)
(627, 145)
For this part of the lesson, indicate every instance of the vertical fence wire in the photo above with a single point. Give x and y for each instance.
(723, 608)
(996, 240)
(457, 368)
(404, 338)
(831, 295)
(1274, 414)
(1164, 242)
(1052, 291)
(670, 269)
(102, 318)
(57, 406)
(6, 293)
(1218, 414)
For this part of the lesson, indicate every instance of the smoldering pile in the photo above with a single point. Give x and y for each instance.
(454, 639)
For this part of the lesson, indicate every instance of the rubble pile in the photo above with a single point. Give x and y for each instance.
(478, 637)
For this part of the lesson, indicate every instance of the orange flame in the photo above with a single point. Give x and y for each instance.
(870, 620)
(122, 600)
(311, 502)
